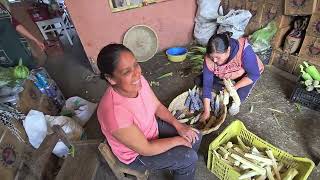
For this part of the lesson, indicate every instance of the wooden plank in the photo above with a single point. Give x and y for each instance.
(84, 164)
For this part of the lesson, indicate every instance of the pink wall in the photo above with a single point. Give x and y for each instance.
(97, 26)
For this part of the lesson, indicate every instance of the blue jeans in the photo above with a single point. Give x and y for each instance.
(181, 160)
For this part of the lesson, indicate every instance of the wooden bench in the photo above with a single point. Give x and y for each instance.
(118, 168)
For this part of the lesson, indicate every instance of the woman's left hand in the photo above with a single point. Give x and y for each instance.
(40, 45)
(190, 134)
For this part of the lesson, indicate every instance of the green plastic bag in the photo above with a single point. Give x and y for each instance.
(260, 40)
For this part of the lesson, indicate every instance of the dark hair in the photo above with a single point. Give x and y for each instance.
(219, 43)
(108, 58)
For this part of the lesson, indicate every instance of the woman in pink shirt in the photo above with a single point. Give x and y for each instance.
(128, 114)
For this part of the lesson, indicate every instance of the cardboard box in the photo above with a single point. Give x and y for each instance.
(232, 4)
(314, 25)
(284, 21)
(255, 7)
(296, 70)
(311, 49)
(262, 13)
(269, 12)
(299, 7)
(32, 98)
(284, 61)
(11, 150)
(279, 38)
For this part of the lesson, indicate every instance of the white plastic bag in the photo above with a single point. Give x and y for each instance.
(82, 109)
(235, 21)
(208, 10)
(36, 127)
(205, 21)
(60, 150)
(72, 129)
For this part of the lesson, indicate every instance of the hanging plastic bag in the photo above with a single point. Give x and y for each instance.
(81, 109)
(235, 21)
(208, 10)
(260, 40)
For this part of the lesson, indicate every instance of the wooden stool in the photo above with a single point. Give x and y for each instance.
(118, 168)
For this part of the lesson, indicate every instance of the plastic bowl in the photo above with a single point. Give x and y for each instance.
(177, 54)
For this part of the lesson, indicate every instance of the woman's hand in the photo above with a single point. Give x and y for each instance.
(40, 45)
(183, 142)
(204, 116)
(188, 133)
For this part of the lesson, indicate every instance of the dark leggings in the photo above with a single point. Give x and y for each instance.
(181, 160)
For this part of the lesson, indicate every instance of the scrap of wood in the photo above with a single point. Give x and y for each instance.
(235, 152)
(251, 109)
(229, 145)
(275, 110)
(216, 154)
(165, 75)
(244, 167)
(257, 102)
(249, 164)
(237, 163)
(242, 145)
(237, 149)
(248, 175)
(269, 173)
(275, 118)
(224, 151)
(290, 174)
(258, 158)
(274, 164)
(255, 151)
(262, 177)
(227, 162)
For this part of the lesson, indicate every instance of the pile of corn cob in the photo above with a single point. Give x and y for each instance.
(252, 163)
(196, 56)
(310, 77)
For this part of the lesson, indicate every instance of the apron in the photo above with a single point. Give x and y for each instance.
(12, 46)
(234, 68)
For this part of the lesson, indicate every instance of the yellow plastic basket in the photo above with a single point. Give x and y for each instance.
(237, 128)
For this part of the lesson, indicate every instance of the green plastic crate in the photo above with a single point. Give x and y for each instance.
(237, 128)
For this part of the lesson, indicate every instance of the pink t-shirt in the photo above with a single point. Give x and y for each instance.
(116, 111)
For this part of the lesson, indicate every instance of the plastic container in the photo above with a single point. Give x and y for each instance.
(310, 99)
(177, 54)
(237, 128)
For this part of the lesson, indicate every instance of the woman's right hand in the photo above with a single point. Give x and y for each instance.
(204, 116)
(183, 142)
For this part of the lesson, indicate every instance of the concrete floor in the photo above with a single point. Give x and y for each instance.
(296, 132)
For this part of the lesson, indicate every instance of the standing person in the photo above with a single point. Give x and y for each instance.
(11, 47)
(231, 59)
(128, 114)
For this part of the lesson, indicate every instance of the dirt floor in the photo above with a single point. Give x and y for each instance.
(293, 129)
